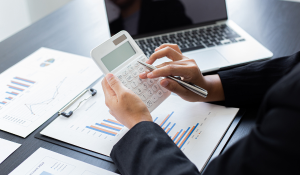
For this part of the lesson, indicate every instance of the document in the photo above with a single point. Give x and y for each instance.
(196, 128)
(34, 89)
(45, 162)
(7, 148)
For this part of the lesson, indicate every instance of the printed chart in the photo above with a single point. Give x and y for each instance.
(45, 162)
(180, 136)
(31, 92)
(196, 128)
(15, 88)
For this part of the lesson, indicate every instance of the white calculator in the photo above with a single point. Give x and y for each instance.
(119, 55)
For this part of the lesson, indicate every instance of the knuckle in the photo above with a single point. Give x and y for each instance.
(194, 66)
(113, 81)
(169, 49)
(171, 67)
(124, 95)
(192, 60)
(164, 64)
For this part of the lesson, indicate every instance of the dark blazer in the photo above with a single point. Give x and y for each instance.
(272, 147)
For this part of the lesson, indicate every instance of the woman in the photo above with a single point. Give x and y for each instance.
(272, 147)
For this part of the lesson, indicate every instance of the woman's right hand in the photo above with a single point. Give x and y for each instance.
(188, 70)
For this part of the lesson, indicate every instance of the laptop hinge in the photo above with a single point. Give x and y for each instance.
(221, 22)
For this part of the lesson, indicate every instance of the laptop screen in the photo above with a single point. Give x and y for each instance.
(142, 17)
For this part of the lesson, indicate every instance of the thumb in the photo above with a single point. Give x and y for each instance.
(114, 83)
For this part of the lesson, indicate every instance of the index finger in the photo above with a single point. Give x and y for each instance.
(170, 69)
(165, 52)
(173, 46)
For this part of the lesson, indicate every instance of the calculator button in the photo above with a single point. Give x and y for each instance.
(130, 68)
(128, 86)
(140, 80)
(124, 82)
(120, 77)
(141, 69)
(149, 103)
(162, 88)
(159, 93)
(155, 87)
(125, 72)
(134, 84)
(129, 78)
(150, 81)
(135, 73)
(145, 85)
(138, 90)
(149, 92)
(154, 98)
(136, 64)
(143, 97)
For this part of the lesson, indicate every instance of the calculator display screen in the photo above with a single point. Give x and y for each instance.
(118, 56)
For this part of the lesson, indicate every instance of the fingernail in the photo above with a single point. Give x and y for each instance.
(109, 76)
(143, 74)
(165, 83)
(147, 61)
(150, 75)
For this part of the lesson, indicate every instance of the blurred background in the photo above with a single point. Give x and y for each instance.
(15, 15)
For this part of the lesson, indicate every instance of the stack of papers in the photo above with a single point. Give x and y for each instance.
(7, 148)
(34, 89)
(45, 162)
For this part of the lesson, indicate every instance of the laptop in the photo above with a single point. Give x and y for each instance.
(200, 28)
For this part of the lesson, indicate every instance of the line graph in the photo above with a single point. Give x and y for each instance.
(48, 101)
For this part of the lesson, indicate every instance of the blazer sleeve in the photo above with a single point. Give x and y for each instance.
(147, 150)
(272, 147)
(247, 85)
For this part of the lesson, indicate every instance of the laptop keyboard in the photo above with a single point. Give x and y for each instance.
(192, 39)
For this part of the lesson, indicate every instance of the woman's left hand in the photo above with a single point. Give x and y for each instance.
(124, 105)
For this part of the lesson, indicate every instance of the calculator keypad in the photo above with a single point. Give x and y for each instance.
(149, 90)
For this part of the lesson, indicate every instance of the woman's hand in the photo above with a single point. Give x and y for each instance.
(188, 70)
(124, 105)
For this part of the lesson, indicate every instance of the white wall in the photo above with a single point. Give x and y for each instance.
(18, 14)
(13, 17)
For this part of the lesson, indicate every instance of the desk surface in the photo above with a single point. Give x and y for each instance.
(76, 27)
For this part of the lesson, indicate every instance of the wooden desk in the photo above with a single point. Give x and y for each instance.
(76, 28)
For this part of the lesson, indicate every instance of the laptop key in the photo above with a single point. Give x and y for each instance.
(210, 45)
(193, 48)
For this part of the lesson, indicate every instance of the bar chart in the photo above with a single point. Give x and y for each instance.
(179, 136)
(15, 87)
(108, 127)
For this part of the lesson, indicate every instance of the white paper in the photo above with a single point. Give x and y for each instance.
(7, 148)
(45, 162)
(211, 120)
(37, 87)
